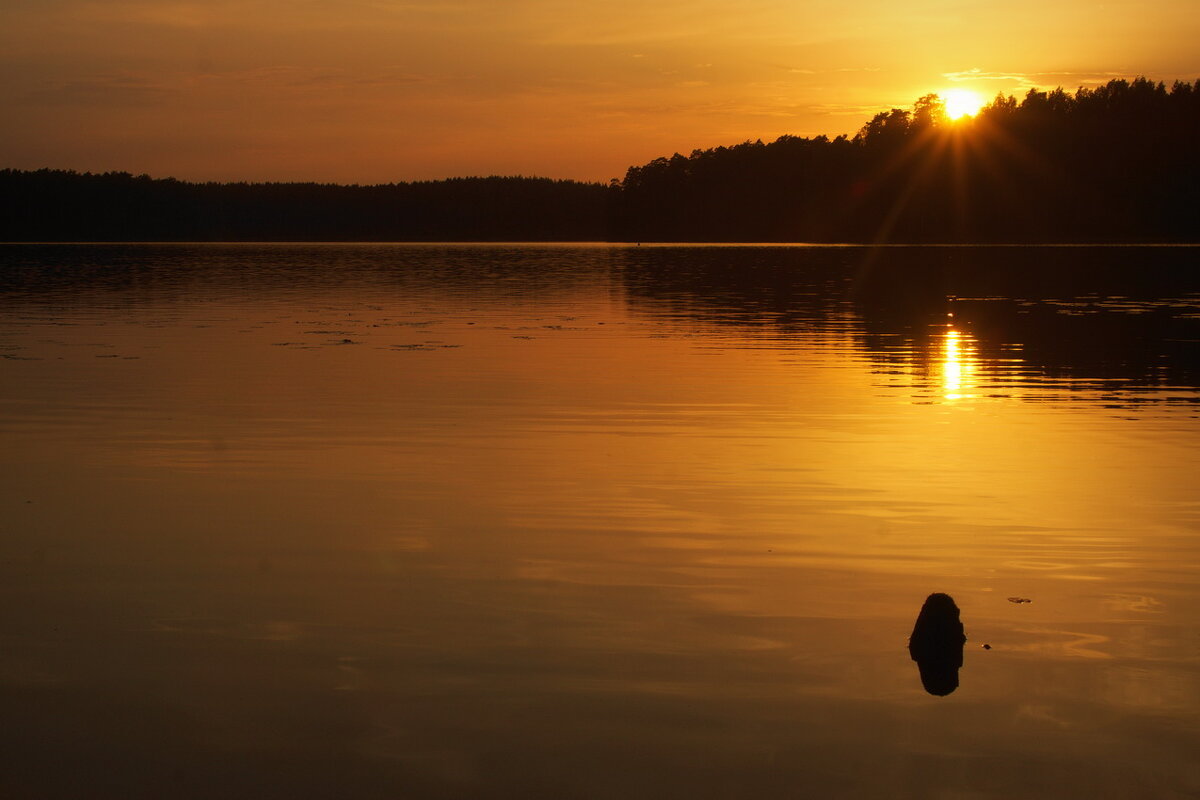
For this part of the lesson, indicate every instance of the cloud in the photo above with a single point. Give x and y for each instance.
(792, 70)
(108, 91)
(160, 14)
(427, 7)
(845, 109)
(296, 77)
(976, 74)
(279, 15)
(277, 84)
(1036, 80)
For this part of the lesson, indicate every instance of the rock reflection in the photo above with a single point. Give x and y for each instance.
(936, 644)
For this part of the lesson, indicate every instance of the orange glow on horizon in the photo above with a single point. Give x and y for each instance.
(371, 92)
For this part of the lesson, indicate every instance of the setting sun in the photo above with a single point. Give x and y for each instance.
(962, 102)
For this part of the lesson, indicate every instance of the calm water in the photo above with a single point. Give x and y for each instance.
(598, 522)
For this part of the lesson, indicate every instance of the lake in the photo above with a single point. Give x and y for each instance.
(597, 521)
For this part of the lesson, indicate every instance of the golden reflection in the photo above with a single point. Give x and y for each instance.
(959, 366)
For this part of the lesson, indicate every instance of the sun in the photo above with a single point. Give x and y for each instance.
(962, 102)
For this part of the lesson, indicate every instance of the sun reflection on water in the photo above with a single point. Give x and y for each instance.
(959, 365)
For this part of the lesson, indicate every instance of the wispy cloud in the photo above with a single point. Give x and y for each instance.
(976, 74)
(162, 14)
(279, 82)
(1035, 80)
(111, 91)
(792, 70)
(279, 14)
(845, 109)
(298, 77)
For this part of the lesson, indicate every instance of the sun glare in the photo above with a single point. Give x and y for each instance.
(958, 366)
(962, 102)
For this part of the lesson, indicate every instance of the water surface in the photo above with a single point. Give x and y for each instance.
(596, 521)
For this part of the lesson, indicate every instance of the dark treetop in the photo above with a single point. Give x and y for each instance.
(1115, 163)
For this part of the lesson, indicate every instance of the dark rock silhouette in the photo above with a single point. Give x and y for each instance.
(936, 644)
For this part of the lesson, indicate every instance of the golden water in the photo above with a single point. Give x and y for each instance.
(593, 521)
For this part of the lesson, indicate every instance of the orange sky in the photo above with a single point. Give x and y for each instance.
(374, 91)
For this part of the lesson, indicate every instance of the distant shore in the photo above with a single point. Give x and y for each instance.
(1117, 164)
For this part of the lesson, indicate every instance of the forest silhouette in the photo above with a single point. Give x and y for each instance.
(56, 205)
(1115, 163)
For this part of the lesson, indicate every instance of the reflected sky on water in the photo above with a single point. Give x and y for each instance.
(464, 521)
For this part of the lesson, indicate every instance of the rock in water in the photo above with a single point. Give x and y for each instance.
(937, 643)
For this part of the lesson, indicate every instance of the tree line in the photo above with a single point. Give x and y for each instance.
(1118, 162)
(61, 205)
